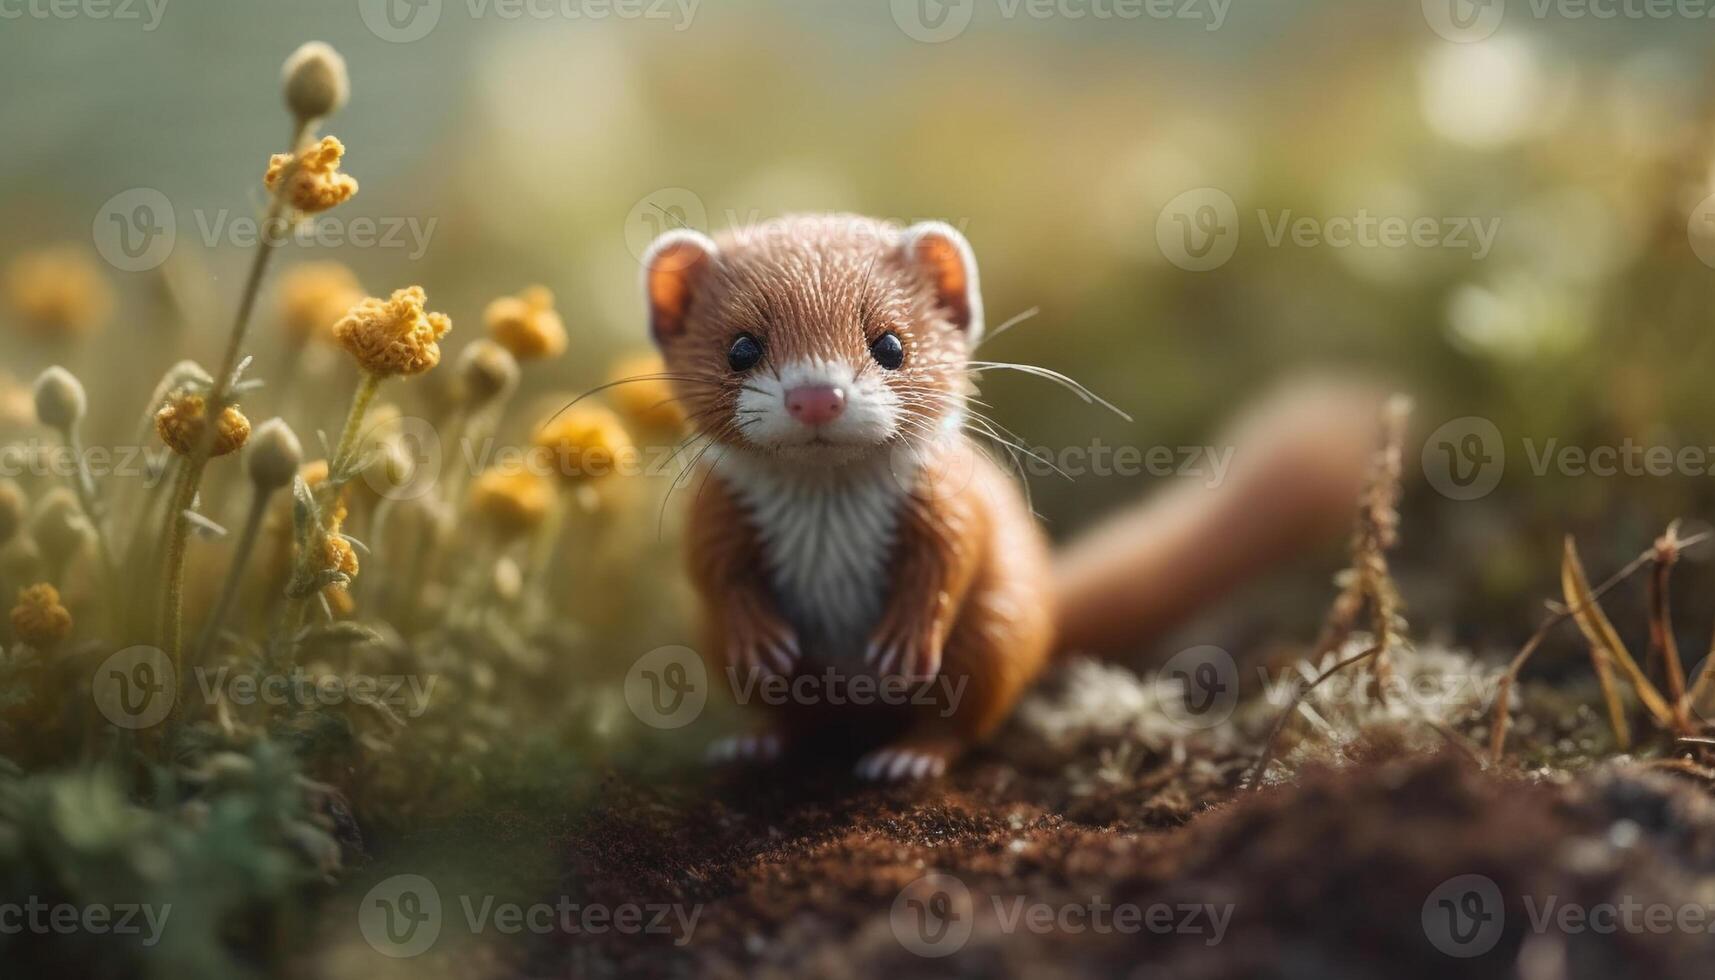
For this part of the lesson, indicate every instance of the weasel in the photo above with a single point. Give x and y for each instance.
(849, 529)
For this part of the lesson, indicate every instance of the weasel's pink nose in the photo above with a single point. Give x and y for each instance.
(815, 404)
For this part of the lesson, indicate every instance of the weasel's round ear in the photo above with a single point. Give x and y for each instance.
(948, 263)
(672, 267)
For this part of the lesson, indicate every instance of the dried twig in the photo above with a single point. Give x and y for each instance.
(1597, 628)
(1280, 723)
(1503, 695)
(1367, 582)
(1601, 639)
(1662, 643)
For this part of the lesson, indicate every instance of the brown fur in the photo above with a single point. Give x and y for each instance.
(972, 597)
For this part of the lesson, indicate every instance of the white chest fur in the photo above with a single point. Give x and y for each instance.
(828, 537)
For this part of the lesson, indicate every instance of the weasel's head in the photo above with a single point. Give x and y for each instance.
(819, 339)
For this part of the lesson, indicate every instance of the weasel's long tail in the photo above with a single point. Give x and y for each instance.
(1298, 463)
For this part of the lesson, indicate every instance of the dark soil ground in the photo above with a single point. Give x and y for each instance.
(1343, 873)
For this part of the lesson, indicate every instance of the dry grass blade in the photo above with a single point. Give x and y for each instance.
(1592, 621)
(1662, 643)
(1267, 754)
(1701, 698)
(1599, 631)
(1367, 583)
(1503, 694)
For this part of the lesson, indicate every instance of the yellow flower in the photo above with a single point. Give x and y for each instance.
(279, 525)
(526, 324)
(314, 472)
(394, 335)
(58, 292)
(314, 296)
(180, 424)
(647, 403)
(583, 442)
(514, 502)
(338, 556)
(17, 403)
(316, 184)
(39, 618)
(337, 552)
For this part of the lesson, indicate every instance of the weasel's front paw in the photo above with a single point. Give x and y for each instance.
(763, 647)
(756, 748)
(903, 763)
(916, 656)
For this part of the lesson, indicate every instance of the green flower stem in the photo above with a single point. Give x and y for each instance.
(546, 542)
(220, 392)
(298, 609)
(173, 574)
(83, 482)
(342, 456)
(229, 591)
(431, 543)
(253, 283)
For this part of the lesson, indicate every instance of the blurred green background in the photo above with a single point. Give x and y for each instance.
(531, 144)
(500, 145)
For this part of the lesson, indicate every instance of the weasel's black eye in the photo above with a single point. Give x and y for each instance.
(744, 353)
(888, 351)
